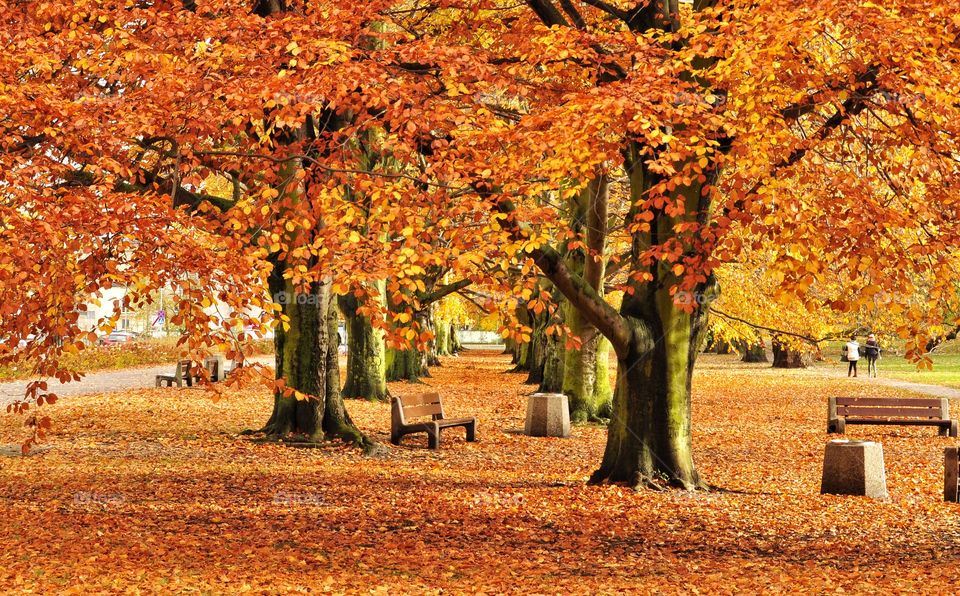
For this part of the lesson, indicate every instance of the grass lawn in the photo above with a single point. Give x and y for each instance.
(144, 352)
(153, 491)
(946, 370)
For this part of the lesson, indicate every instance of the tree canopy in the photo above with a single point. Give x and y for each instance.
(337, 144)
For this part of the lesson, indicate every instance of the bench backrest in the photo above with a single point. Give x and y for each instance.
(887, 407)
(183, 369)
(424, 404)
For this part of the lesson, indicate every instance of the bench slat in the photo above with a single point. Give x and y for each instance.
(889, 412)
(919, 402)
(424, 410)
(900, 421)
(420, 399)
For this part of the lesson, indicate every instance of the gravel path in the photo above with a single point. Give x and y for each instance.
(103, 381)
(922, 388)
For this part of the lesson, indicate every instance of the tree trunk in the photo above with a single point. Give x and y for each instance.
(442, 341)
(784, 357)
(553, 362)
(649, 441)
(306, 361)
(587, 387)
(585, 372)
(511, 347)
(406, 365)
(753, 351)
(455, 346)
(722, 346)
(525, 317)
(538, 348)
(366, 355)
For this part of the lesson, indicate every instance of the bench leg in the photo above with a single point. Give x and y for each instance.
(836, 426)
(395, 438)
(433, 437)
(953, 428)
(472, 432)
(157, 382)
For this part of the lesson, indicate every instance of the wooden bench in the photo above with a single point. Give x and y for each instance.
(182, 374)
(890, 410)
(426, 404)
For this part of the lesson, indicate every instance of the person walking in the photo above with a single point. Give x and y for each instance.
(872, 352)
(852, 348)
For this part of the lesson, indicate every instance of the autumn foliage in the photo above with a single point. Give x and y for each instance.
(247, 153)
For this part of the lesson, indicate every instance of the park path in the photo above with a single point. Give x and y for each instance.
(923, 388)
(141, 377)
(103, 381)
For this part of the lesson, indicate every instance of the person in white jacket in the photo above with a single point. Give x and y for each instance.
(852, 349)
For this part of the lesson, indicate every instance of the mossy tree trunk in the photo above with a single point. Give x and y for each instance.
(366, 353)
(585, 373)
(538, 348)
(511, 347)
(442, 340)
(409, 364)
(525, 317)
(306, 362)
(553, 361)
(649, 438)
(455, 346)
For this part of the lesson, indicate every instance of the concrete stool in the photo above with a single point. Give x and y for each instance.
(854, 468)
(548, 415)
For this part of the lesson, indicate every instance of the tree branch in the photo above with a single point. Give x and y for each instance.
(446, 290)
(813, 340)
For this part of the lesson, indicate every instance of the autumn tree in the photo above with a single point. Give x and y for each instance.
(802, 129)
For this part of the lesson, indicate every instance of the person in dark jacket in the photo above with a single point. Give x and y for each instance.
(872, 352)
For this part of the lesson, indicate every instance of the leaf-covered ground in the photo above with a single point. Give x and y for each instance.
(152, 490)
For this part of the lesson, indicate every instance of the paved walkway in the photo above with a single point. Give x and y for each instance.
(133, 378)
(923, 388)
(103, 381)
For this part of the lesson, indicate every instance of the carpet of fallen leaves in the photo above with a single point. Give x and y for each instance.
(153, 491)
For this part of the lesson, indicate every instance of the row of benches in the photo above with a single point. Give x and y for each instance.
(841, 412)
(185, 373)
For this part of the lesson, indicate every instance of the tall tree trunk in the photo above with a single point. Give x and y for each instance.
(442, 340)
(430, 352)
(538, 348)
(455, 346)
(306, 361)
(649, 440)
(525, 317)
(585, 376)
(410, 364)
(366, 354)
(553, 362)
(406, 365)
(511, 347)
